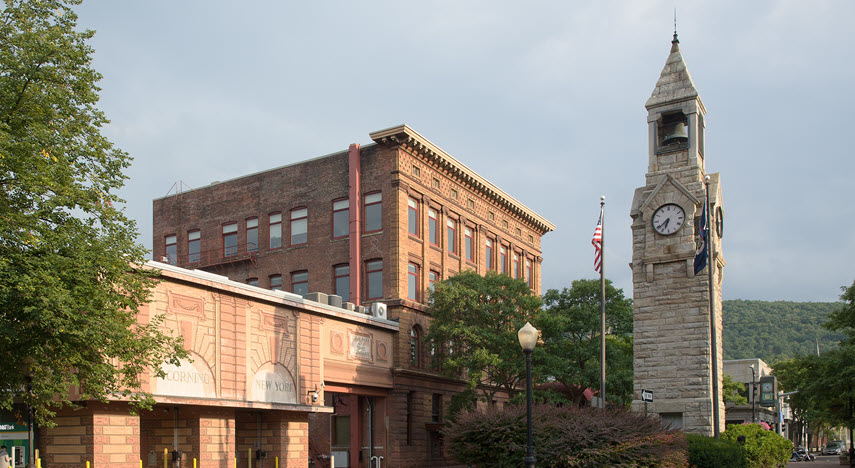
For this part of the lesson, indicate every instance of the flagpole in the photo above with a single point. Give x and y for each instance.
(603, 304)
(713, 328)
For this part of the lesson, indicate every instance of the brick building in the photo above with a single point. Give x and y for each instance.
(253, 383)
(372, 224)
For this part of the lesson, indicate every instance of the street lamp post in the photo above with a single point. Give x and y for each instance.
(528, 339)
(753, 394)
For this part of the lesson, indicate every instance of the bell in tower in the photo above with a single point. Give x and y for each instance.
(673, 132)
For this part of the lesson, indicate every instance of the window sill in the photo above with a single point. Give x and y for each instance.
(416, 239)
(372, 233)
(436, 247)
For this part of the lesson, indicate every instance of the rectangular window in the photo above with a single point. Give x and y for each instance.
(252, 235)
(252, 281)
(436, 408)
(171, 243)
(454, 193)
(413, 282)
(451, 235)
(275, 230)
(516, 265)
(230, 240)
(433, 277)
(528, 273)
(416, 171)
(194, 246)
(341, 275)
(470, 204)
(299, 226)
(340, 433)
(489, 254)
(373, 212)
(413, 217)
(503, 259)
(276, 282)
(374, 279)
(341, 218)
(435, 183)
(300, 282)
(433, 235)
(467, 244)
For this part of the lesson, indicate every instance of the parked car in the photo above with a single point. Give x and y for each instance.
(835, 447)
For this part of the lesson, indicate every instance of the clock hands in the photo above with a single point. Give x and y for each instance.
(665, 224)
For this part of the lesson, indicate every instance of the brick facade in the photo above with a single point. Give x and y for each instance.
(257, 360)
(400, 166)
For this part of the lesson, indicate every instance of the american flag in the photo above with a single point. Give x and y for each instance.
(597, 241)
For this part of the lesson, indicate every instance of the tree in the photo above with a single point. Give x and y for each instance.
(730, 391)
(69, 292)
(474, 327)
(570, 326)
(826, 383)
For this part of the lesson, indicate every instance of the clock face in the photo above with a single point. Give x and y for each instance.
(668, 219)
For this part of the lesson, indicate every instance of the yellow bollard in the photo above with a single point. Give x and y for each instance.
(87, 464)
(38, 463)
(165, 461)
(277, 462)
(249, 457)
(194, 463)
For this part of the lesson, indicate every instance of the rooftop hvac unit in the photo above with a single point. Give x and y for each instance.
(378, 309)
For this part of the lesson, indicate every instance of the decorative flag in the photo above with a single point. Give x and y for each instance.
(701, 242)
(597, 241)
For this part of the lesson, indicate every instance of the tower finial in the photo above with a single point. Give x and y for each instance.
(675, 40)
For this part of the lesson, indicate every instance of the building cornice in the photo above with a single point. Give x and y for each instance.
(404, 135)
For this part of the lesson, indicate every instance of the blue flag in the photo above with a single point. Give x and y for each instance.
(701, 242)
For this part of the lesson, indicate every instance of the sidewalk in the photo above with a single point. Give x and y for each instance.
(825, 461)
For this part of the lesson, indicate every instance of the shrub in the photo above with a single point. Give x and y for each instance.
(563, 437)
(708, 452)
(763, 449)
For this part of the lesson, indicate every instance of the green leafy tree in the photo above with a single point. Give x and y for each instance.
(475, 320)
(570, 329)
(69, 294)
(730, 391)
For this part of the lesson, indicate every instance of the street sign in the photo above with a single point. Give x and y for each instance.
(647, 396)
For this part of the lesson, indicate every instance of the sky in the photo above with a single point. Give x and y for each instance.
(544, 99)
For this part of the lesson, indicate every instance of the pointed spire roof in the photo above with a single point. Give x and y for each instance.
(675, 83)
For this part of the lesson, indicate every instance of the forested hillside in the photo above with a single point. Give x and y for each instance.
(774, 331)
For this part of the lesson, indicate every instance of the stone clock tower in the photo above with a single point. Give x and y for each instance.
(671, 305)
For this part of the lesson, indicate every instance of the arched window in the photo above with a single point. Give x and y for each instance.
(415, 347)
